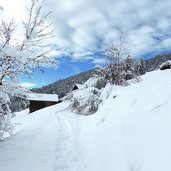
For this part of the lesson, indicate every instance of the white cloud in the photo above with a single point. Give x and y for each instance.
(82, 25)
(28, 84)
(99, 61)
(80, 55)
(11, 9)
(92, 20)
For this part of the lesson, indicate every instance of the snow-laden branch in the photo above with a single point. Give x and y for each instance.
(23, 56)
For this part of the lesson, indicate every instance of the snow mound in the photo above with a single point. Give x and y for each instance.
(106, 92)
(85, 101)
(132, 131)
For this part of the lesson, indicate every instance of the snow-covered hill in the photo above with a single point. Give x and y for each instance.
(131, 131)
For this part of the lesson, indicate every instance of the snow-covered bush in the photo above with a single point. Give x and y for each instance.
(85, 101)
(165, 65)
(5, 115)
(101, 83)
(18, 103)
(111, 74)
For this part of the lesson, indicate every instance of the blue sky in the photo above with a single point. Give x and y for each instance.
(66, 66)
(65, 69)
(82, 27)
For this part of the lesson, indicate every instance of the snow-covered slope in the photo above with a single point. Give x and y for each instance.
(131, 131)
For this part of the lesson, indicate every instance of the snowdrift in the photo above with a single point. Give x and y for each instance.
(131, 131)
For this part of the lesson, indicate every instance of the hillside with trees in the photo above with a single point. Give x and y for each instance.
(64, 86)
(141, 66)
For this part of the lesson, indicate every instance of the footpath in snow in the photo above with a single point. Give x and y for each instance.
(33, 146)
(131, 132)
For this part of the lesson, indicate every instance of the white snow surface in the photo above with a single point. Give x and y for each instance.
(42, 97)
(131, 131)
(80, 86)
(91, 82)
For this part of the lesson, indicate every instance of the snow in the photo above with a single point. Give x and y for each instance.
(80, 86)
(4, 96)
(85, 101)
(106, 92)
(43, 97)
(130, 132)
(33, 147)
(91, 82)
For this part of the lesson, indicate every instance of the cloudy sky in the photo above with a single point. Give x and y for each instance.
(83, 26)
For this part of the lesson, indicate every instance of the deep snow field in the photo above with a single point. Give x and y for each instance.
(131, 131)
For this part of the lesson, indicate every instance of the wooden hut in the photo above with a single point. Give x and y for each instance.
(39, 101)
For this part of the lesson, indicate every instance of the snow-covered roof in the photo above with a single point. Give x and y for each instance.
(43, 97)
(79, 86)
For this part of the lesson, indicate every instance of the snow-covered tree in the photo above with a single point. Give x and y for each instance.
(141, 67)
(21, 56)
(128, 69)
(121, 65)
(116, 53)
